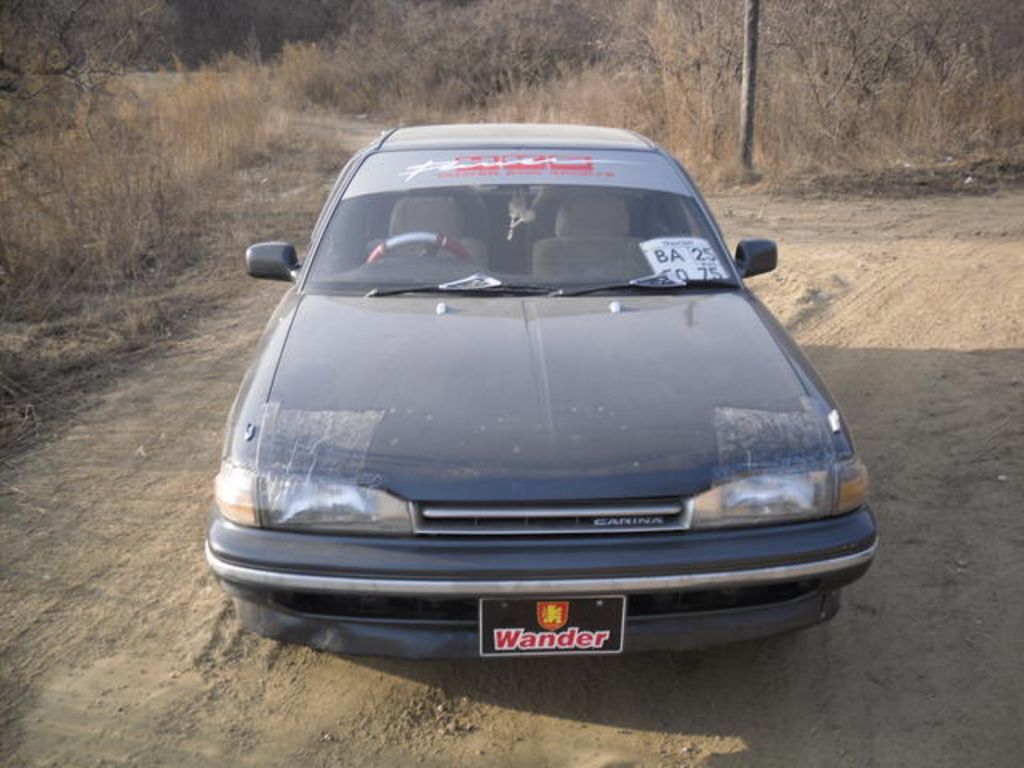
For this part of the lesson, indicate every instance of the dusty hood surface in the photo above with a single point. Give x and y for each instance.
(539, 398)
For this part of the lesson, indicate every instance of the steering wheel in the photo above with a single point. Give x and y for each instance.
(435, 242)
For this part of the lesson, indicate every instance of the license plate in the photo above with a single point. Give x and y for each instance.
(552, 626)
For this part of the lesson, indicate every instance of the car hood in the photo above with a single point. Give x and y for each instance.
(553, 398)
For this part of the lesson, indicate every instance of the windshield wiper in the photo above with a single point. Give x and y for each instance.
(653, 283)
(478, 283)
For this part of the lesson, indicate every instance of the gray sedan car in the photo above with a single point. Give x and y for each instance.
(519, 401)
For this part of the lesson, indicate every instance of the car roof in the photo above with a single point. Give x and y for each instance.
(512, 135)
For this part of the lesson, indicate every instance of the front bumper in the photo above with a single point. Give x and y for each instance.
(415, 597)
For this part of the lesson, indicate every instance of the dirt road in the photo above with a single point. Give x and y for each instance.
(117, 647)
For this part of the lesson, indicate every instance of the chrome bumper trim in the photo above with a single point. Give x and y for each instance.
(256, 577)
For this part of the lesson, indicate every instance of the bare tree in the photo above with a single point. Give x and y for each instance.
(748, 86)
(54, 51)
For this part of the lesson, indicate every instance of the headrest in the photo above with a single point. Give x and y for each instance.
(426, 214)
(592, 216)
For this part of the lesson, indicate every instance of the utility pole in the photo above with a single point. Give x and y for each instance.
(748, 87)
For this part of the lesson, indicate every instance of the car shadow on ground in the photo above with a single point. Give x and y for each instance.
(920, 641)
(723, 691)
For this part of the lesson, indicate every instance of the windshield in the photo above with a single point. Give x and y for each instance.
(538, 237)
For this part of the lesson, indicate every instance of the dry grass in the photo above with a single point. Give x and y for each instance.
(100, 216)
(215, 120)
(433, 58)
(305, 75)
(832, 99)
(844, 86)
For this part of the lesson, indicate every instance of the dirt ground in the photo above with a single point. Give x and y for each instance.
(118, 648)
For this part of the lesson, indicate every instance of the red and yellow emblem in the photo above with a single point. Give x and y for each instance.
(552, 616)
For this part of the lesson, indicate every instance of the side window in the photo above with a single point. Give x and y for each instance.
(325, 213)
(356, 227)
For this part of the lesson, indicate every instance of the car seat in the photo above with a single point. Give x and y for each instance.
(591, 241)
(435, 213)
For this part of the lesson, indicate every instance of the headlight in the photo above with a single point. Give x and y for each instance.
(235, 493)
(780, 497)
(299, 504)
(318, 505)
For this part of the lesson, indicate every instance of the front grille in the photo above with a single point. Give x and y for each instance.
(701, 600)
(551, 519)
(380, 607)
(464, 611)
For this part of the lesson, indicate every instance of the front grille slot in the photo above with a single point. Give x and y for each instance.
(551, 519)
(707, 600)
(381, 607)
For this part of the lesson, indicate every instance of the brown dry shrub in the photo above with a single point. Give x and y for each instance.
(432, 58)
(101, 210)
(215, 120)
(305, 75)
(111, 195)
(843, 86)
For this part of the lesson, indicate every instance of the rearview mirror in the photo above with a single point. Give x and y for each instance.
(272, 261)
(755, 257)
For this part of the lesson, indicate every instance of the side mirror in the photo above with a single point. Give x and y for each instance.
(755, 257)
(272, 261)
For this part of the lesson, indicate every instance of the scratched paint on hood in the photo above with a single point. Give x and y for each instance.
(753, 440)
(298, 444)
